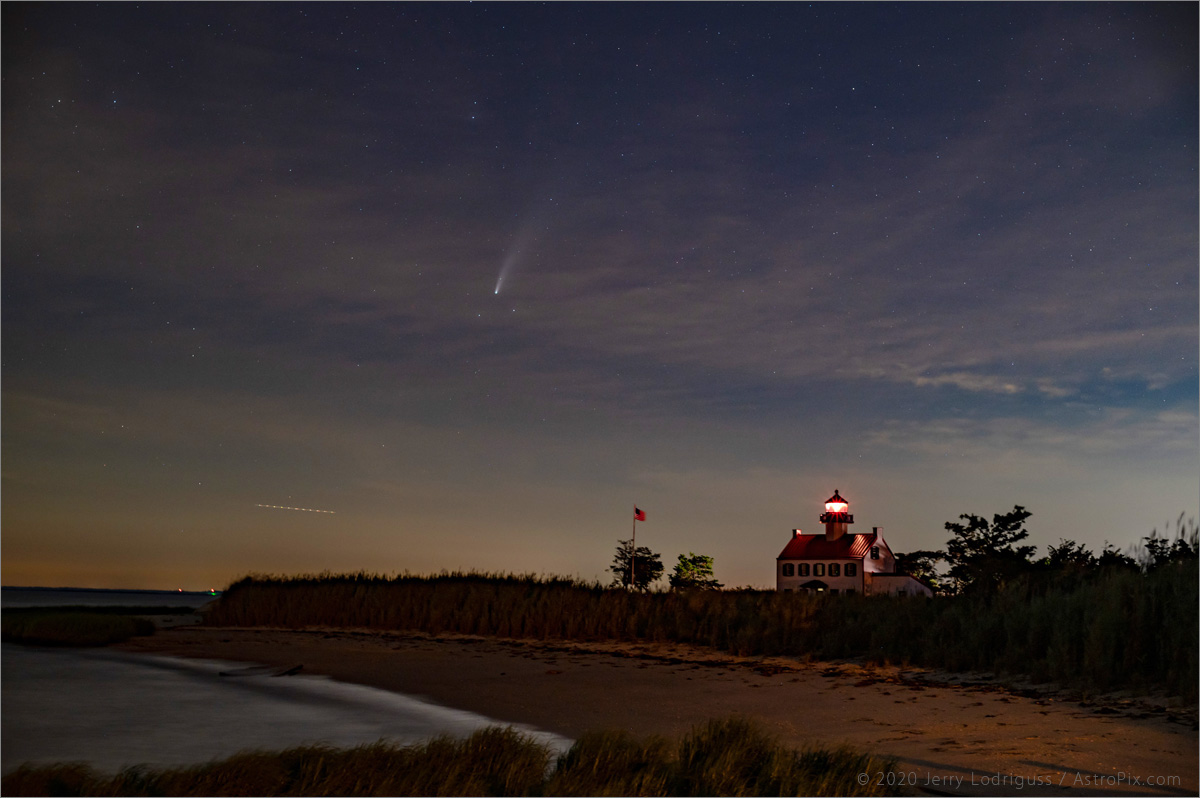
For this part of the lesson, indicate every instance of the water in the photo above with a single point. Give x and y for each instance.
(112, 709)
(86, 597)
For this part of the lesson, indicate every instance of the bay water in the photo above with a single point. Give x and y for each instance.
(87, 597)
(112, 709)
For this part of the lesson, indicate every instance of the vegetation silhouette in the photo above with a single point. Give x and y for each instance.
(1107, 622)
(1115, 628)
(982, 557)
(638, 568)
(721, 757)
(77, 626)
(694, 572)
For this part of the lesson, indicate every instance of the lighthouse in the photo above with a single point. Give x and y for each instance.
(836, 516)
(842, 562)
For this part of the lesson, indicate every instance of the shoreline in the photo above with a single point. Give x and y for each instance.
(951, 734)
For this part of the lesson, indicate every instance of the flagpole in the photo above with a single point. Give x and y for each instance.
(633, 552)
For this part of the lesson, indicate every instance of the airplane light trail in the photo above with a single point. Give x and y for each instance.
(301, 509)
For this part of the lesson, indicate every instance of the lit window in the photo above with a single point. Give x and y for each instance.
(835, 569)
(851, 569)
(789, 569)
(819, 569)
(874, 552)
(804, 569)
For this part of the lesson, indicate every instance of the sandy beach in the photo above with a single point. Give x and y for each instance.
(953, 734)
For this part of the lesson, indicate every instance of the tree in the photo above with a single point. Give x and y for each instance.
(1069, 556)
(1112, 559)
(1159, 551)
(647, 566)
(983, 557)
(923, 565)
(694, 571)
(1066, 567)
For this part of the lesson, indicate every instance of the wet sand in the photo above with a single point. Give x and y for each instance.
(953, 734)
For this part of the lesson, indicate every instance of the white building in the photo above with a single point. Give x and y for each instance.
(842, 562)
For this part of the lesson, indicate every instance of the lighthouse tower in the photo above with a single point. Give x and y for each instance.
(836, 516)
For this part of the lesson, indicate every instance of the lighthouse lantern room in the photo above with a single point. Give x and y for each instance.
(836, 516)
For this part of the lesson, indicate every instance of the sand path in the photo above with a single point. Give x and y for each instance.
(951, 737)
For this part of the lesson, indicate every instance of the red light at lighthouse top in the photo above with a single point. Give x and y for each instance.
(836, 504)
(836, 510)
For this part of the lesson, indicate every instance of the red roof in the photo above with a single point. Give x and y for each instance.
(836, 497)
(816, 547)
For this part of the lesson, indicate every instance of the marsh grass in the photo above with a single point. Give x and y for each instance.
(492, 761)
(614, 763)
(734, 757)
(722, 757)
(1116, 630)
(72, 626)
(731, 756)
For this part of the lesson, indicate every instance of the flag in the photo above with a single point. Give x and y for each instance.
(639, 515)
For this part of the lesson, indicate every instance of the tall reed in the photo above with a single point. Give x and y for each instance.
(1115, 630)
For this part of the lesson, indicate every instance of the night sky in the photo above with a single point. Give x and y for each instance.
(477, 279)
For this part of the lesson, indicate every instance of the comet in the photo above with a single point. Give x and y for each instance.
(524, 244)
(514, 255)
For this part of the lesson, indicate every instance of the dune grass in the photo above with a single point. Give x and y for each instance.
(1115, 630)
(494, 761)
(722, 757)
(71, 626)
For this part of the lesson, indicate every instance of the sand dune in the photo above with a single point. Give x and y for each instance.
(954, 734)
